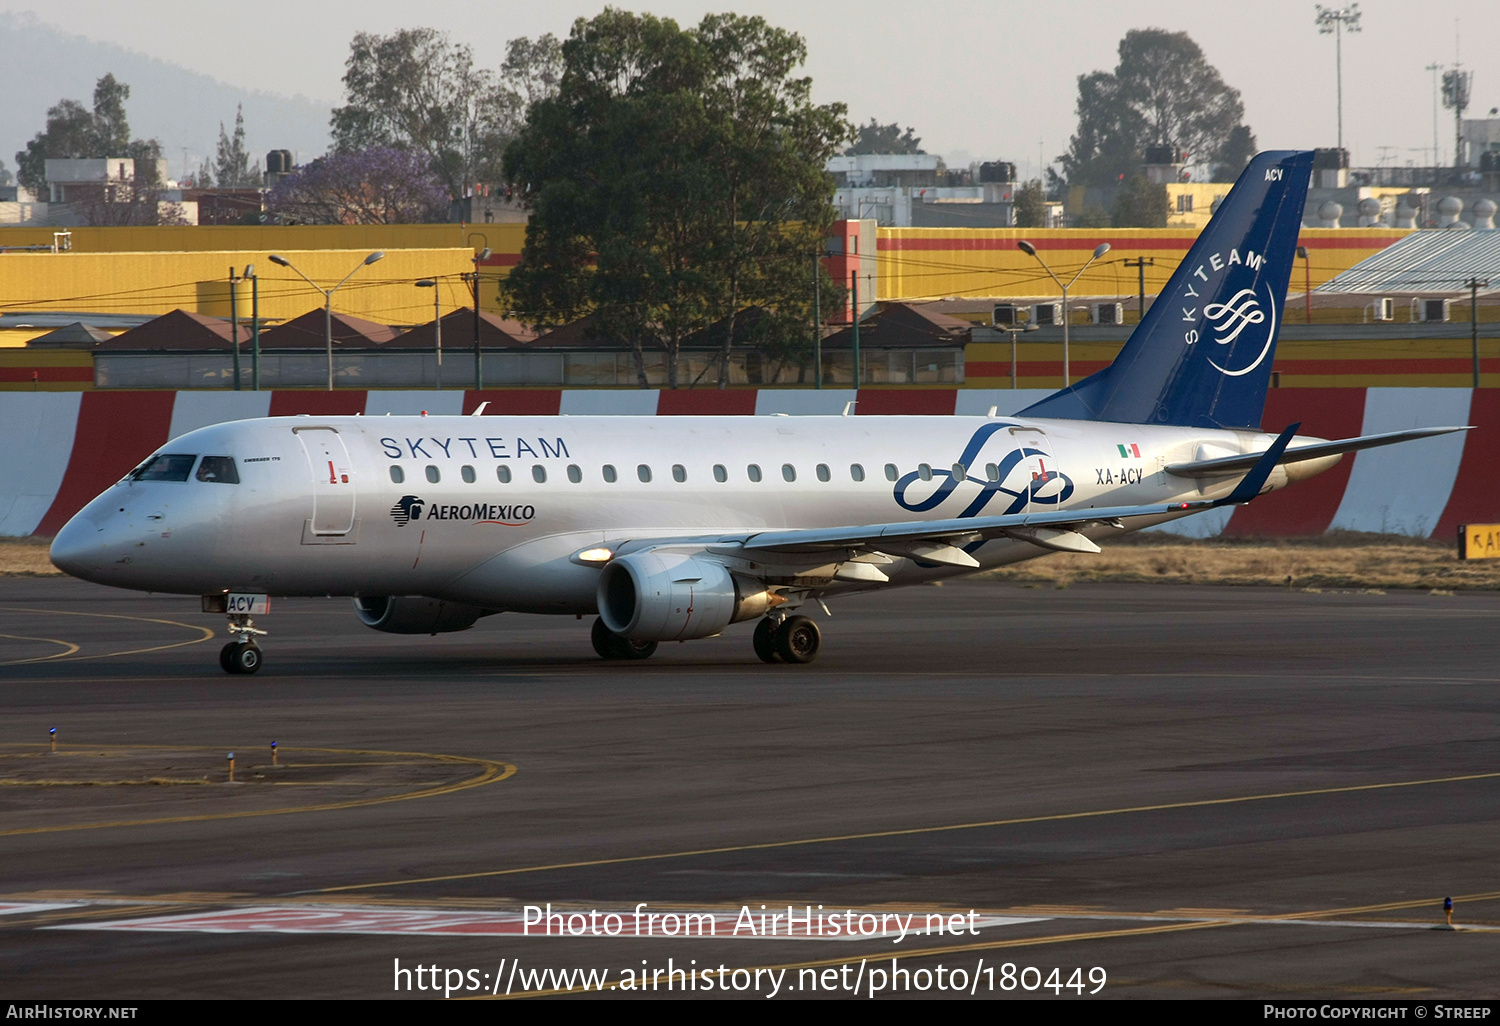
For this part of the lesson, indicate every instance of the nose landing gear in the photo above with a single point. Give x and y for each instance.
(243, 654)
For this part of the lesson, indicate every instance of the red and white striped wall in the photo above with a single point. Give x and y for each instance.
(60, 449)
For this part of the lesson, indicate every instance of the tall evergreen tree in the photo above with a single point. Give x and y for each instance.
(232, 164)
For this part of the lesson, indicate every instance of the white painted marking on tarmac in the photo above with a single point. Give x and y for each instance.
(17, 908)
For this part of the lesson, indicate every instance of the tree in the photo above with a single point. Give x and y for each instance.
(5, 175)
(416, 89)
(1140, 203)
(675, 178)
(1031, 205)
(232, 164)
(382, 185)
(1162, 93)
(73, 132)
(1234, 154)
(878, 138)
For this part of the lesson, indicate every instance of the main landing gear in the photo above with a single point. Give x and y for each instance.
(610, 645)
(792, 639)
(243, 654)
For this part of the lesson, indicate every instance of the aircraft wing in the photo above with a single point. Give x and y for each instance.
(1228, 465)
(938, 541)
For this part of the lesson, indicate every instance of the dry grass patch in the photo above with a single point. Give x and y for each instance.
(26, 557)
(1339, 560)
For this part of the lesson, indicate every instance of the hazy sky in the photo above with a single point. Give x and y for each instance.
(976, 80)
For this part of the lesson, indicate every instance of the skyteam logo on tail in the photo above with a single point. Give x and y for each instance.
(1248, 313)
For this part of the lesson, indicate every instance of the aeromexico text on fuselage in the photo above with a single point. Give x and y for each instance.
(411, 508)
(498, 447)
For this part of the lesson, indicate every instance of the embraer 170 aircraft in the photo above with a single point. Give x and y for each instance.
(674, 528)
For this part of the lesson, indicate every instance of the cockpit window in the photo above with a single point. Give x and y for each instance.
(219, 469)
(164, 467)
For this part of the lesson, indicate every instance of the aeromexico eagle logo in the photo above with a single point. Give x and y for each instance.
(411, 507)
(1024, 476)
(1244, 324)
(407, 510)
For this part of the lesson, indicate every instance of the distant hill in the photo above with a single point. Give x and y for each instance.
(41, 64)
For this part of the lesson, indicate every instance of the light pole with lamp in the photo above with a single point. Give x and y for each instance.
(479, 258)
(1013, 331)
(1336, 21)
(437, 325)
(281, 261)
(1030, 250)
(249, 273)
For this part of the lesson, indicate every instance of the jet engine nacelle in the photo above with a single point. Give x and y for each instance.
(672, 596)
(413, 614)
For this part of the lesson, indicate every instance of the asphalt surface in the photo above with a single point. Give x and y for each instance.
(1203, 792)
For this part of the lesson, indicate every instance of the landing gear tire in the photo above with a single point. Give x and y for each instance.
(610, 645)
(765, 641)
(240, 657)
(798, 639)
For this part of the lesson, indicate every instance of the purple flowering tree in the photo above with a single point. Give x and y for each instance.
(381, 185)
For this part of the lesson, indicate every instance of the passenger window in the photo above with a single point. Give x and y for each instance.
(890, 472)
(398, 476)
(992, 472)
(753, 472)
(219, 469)
(467, 473)
(720, 474)
(539, 473)
(164, 468)
(502, 473)
(823, 474)
(574, 473)
(679, 473)
(856, 472)
(959, 473)
(644, 473)
(610, 477)
(432, 474)
(924, 471)
(788, 472)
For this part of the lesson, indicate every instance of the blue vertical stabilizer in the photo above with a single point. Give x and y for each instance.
(1202, 355)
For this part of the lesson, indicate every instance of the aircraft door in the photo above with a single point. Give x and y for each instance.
(332, 481)
(1038, 469)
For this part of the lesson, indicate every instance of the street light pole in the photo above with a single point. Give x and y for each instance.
(1474, 285)
(234, 328)
(437, 325)
(254, 327)
(1030, 250)
(1013, 331)
(281, 261)
(1336, 20)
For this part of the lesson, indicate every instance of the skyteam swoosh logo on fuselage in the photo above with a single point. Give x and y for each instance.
(1048, 487)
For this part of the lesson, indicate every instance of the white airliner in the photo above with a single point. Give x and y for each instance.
(674, 528)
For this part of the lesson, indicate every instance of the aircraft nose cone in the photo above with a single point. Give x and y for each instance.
(77, 549)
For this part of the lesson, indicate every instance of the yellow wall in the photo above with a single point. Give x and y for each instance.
(501, 238)
(934, 263)
(158, 282)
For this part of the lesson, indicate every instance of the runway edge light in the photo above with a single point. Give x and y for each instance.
(231, 767)
(52, 735)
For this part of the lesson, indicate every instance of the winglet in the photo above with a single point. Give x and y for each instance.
(1251, 484)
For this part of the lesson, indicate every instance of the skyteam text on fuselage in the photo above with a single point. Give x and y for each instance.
(671, 529)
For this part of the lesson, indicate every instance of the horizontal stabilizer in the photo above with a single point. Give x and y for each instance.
(1227, 466)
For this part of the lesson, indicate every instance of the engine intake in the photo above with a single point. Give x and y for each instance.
(672, 596)
(414, 614)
